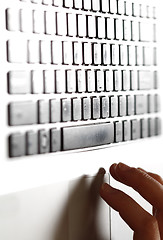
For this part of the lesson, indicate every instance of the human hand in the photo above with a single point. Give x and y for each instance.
(150, 187)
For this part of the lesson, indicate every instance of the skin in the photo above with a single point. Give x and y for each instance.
(150, 187)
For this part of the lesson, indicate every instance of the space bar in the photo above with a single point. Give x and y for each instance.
(86, 136)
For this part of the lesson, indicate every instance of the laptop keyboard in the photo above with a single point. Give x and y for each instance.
(81, 74)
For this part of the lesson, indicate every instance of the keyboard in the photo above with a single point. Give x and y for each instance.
(80, 74)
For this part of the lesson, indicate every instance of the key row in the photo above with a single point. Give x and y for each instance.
(128, 8)
(78, 25)
(77, 109)
(79, 53)
(82, 136)
(80, 81)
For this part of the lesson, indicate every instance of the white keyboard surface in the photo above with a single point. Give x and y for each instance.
(80, 74)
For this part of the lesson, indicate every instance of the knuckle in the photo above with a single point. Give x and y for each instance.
(151, 223)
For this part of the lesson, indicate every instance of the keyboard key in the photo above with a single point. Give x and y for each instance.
(144, 128)
(55, 110)
(122, 105)
(118, 29)
(128, 8)
(44, 141)
(49, 86)
(56, 52)
(118, 132)
(33, 51)
(71, 81)
(105, 6)
(106, 54)
(145, 80)
(78, 4)
(157, 103)
(140, 104)
(104, 107)
(99, 80)
(126, 30)
(90, 81)
(37, 82)
(77, 53)
(96, 5)
(67, 52)
(96, 54)
(68, 3)
(131, 55)
(148, 56)
(16, 145)
(121, 7)
(31, 143)
(151, 103)
(152, 127)
(134, 31)
(50, 22)
(126, 131)
(95, 108)
(26, 24)
(109, 81)
(81, 84)
(86, 104)
(91, 26)
(60, 81)
(135, 129)
(22, 113)
(130, 105)
(43, 111)
(45, 50)
(61, 24)
(146, 32)
(15, 55)
(81, 27)
(77, 111)
(125, 80)
(113, 6)
(123, 54)
(158, 126)
(113, 106)
(114, 54)
(66, 110)
(87, 53)
(134, 80)
(117, 80)
(101, 27)
(71, 24)
(110, 28)
(57, 3)
(55, 140)
(12, 19)
(87, 4)
(19, 82)
(139, 55)
(38, 21)
(88, 136)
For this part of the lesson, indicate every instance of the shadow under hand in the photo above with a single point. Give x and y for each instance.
(80, 219)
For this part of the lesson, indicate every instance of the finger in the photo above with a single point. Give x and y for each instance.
(142, 182)
(131, 212)
(155, 176)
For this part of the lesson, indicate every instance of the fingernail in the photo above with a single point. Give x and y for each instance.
(123, 167)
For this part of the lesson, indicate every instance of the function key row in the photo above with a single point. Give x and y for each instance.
(79, 53)
(80, 81)
(77, 109)
(125, 7)
(78, 25)
(54, 140)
